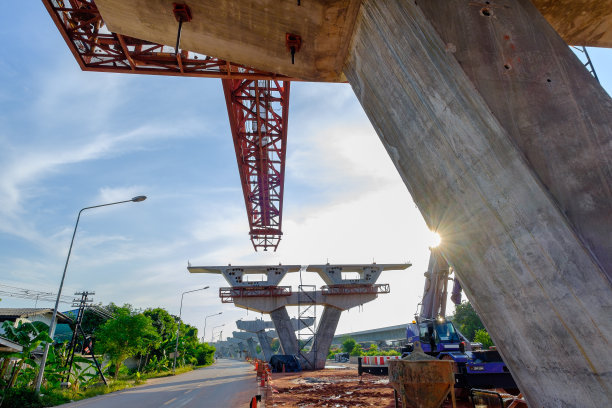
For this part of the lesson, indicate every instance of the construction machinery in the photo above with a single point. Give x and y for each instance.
(473, 366)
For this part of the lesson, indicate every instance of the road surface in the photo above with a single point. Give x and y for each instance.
(227, 383)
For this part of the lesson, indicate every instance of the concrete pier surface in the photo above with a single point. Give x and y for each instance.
(484, 162)
(227, 383)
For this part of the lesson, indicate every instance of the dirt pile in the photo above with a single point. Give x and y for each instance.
(338, 388)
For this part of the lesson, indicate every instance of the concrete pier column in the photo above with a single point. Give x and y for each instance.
(324, 337)
(553, 109)
(251, 348)
(285, 330)
(529, 259)
(264, 343)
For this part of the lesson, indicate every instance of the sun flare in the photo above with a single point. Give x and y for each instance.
(434, 239)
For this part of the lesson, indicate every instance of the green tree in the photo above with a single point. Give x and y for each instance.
(466, 320)
(164, 322)
(205, 354)
(348, 344)
(29, 336)
(357, 350)
(275, 345)
(91, 321)
(373, 350)
(125, 335)
(482, 336)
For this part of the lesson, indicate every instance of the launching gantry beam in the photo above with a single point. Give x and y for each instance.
(257, 102)
(258, 113)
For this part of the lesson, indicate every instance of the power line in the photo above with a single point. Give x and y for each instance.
(23, 293)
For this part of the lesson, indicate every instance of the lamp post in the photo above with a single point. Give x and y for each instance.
(53, 324)
(179, 325)
(212, 337)
(206, 318)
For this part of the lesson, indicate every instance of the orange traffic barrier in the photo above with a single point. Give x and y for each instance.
(253, 403)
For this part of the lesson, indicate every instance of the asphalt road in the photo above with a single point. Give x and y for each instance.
(227, 383)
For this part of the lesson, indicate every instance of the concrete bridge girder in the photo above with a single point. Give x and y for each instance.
(254, 326)
(237, 276)
(269, 304)
(368, 273)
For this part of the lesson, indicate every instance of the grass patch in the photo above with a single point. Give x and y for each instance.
(27, 398)
(92, 391)
(127, 381)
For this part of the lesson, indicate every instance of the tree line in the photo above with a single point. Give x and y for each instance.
(146, 337)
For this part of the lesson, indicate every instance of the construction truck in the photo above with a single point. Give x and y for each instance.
(438, 337)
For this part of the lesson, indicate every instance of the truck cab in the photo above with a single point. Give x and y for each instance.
(436, 336)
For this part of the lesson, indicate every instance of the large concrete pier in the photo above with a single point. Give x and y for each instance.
(491, 184)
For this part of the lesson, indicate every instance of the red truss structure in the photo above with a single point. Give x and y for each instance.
(227, 295)
(97, 49)
(257, 103)
(258, 112)
(356, 289)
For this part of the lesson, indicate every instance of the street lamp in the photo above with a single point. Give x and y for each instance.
(53, 324)
(214, 314)
(212, 338)
(179, 325)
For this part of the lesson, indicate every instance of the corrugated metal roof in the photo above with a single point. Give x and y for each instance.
(9, 346)
(15, 313)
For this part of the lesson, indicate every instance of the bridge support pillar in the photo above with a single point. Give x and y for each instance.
(285, 330)
(504, 142)
(264, 343)
(324, 336)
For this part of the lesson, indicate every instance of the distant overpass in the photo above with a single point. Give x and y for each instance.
(388, 333)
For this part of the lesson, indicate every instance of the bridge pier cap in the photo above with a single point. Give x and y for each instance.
(236, 276)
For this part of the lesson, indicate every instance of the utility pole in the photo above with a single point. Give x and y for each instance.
(82, 304)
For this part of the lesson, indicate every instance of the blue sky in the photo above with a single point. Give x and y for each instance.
(71, 139)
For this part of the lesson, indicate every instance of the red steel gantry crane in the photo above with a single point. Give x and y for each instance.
(257, 103)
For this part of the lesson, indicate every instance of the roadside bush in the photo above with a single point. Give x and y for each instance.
(483, 337)
(205, 354)
(348, 344)
(357, 350)
(20, 398)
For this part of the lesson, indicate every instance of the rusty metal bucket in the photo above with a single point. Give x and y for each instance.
(423, 384)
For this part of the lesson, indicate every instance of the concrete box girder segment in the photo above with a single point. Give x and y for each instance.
(368, 273)
(237, 276)
(254, 326)
(247, 32)
(579, 22)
